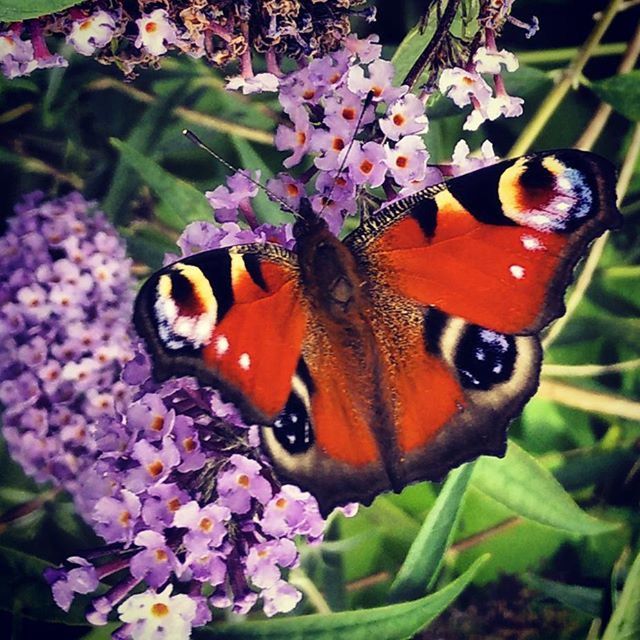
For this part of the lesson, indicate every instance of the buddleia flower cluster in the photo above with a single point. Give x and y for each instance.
(65, 333)
(363, 134)
(167, 474)
(136, 33)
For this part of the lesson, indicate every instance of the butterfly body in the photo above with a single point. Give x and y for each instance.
(400, 352)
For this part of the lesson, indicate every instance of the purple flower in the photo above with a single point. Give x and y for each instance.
(64, 584)
(280, 598)
(226, 200)
(407, 160)
(156, 563)
(296, 139)
(378, 82)
(404, 117)
(115, 518)
(70, 334)
(241, 481)
(205, 524)
(15, 54)
(366, 164)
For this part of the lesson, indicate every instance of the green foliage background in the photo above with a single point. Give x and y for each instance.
(545, 540)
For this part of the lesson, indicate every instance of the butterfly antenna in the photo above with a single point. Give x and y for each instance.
(194, 138)
(365, 106)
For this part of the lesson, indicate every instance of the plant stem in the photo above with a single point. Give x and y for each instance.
(588, 370)
(593, 401)
(298, 578)
(566, 54)
(572, 73)
(599, 120)
(424, 59)
(486, 534)
(188, 115)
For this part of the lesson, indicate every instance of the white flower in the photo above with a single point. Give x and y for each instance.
(158, 616)
(489, 61)
(155, 31)
(92, 33)
(256, 84)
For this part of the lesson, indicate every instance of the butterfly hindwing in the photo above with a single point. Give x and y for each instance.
(232, 317)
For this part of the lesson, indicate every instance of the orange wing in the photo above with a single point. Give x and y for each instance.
(232, 317)
(496, 246)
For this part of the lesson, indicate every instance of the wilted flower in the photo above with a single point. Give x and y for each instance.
(137, 33)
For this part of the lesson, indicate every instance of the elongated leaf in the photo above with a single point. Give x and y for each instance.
(183, 200)
(142, 138)
(393, 622)
(520, 483)
(622, 93)
(411, 47)
(421, 566)
(12, 10)
(625, 621)
(585, 599)
(267, 210)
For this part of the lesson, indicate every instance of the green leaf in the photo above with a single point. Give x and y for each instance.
(12, 10)
(393, 622)
(183, 200)
(267, 210)
(584, 599)
(625, 621)
(412, 46)
(422, 564)
(143, 137)
(522, 484)
(622, 93)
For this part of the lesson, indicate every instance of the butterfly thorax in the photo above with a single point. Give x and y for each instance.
(329, 274)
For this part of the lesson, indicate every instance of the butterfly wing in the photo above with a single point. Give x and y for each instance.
(232, 317)
(496, 246)
(462, 277)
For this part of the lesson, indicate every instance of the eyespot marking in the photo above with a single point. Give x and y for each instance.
(185, 307)
(484, 358)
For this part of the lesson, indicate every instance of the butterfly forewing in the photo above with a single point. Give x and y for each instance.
(234, 318)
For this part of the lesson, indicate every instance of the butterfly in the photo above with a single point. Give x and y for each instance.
(403, 350)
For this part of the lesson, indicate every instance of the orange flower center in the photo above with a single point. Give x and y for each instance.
(338, 144)
(155, 468)
(161, 555)
(292, 190)
(151, 27)
(157, 423)
(159, 610)
(243, 480)
(173, 504)
(401, 161)
(206, 524)
(301, 137)
(308, 94)
(398, 120)
(281, 503)
(349, 113)
(366, 166)
(125, 518)
(189, 444)
(377, 91)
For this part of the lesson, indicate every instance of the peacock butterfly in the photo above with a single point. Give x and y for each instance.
(400, 352)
